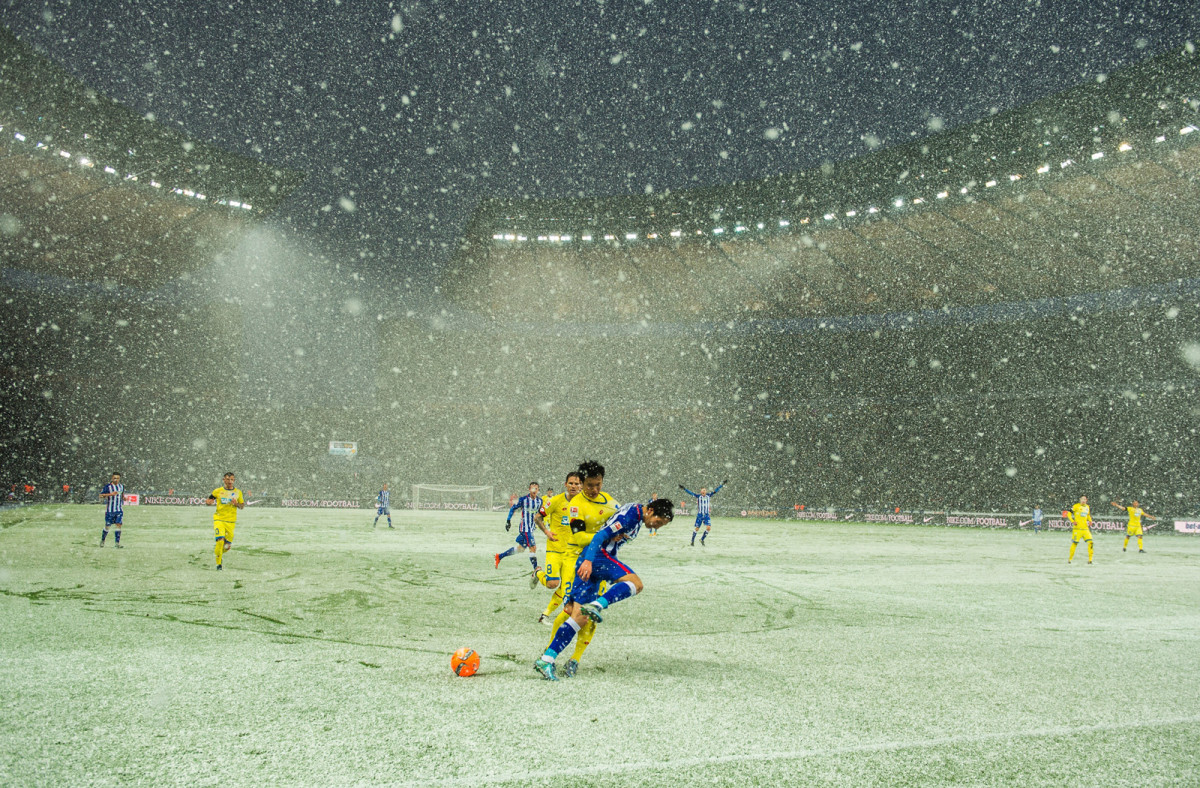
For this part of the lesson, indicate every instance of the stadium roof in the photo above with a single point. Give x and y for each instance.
(92, 191)
(1091, 190)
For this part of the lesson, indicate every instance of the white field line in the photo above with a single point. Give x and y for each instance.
(532, 778)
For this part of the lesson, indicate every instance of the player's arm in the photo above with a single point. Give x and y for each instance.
(714, 492)
(240, 502)
(539, 519)
(593, 549)
(689, 492)
(211, 500)
(1116, 504)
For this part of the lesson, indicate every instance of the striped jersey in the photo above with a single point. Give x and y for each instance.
(703, 502)
(529, 506)
(115, 504)
(622, 527)
(383, 498)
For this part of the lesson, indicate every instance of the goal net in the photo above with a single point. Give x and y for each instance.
(451, 496)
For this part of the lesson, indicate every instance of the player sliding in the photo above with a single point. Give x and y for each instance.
(703, 507)
(383, 504)
(599, 564)
(1133, 527)
(530, 505)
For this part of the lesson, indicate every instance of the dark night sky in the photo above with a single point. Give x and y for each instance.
(406, 114)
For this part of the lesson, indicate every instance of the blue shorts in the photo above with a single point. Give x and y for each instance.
(525, 539)
(605, 569)
(702, 519)
(383, 510)
(113, 518)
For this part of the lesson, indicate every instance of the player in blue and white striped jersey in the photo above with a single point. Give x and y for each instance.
(598, 564)
(703, 509)
(114, 508)
(530, 506)
(383, 506)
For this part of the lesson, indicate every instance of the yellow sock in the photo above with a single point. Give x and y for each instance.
(1071, 556)
(1126, 542)
(583, 639)
(541, 575)
(1089, 551)
(219, 549)
(1139, 543)
(555, 601)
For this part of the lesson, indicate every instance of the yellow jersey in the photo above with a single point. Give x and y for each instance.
(558, 520)
(226, 510)
(1081, 513)
(1135, 516)
(594, 512)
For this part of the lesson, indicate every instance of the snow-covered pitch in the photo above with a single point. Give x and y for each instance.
(779, 654)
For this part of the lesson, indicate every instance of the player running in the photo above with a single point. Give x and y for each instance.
(597, 564)
(114, 509)
(703, 508)
(1081, 517)
(382, 503)
(1132, 528)
(228, 500)
(530, 505)
(557, 517)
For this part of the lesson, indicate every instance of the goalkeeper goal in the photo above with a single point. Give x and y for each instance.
(451, 496)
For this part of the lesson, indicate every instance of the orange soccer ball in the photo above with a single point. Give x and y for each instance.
(465, 661)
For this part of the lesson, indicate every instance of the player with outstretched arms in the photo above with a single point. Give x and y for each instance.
(703, 510)
(530, 506)
(599, 563)
(383, 506)
(228, 500)
(1132, 528)
(114, 508)
(557, 572)
(1081, 531)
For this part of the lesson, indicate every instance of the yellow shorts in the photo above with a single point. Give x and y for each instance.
(223, 530)
(1081, 535)
(554, 564)
(1134, 530)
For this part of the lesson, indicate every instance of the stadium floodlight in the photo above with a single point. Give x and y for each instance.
(541, 238)
(676, 233)
(963, 190)
(1014, 177)
(829, 217)
(64, 154)
(522, 238)
(1187, 130)
(1098, 155)
(497, 237)
(899, 203)
(110, 170)
(246, 206)
(852, 214)
(586, 238)
(718, 230)
(235, 204)
(566, 239)
(200, 196)
(1124, 147)
(158, 185)
(1045, 168)
(784, 223)
(943, 195)
(761, 225)
(1162, 138)
(1066, 164)
(86, 162)
(610, 237)
(555, 238)
(872, 209)
(741, 228)
(630, 236)
(919, 201)
(989, 184)
(19, 136)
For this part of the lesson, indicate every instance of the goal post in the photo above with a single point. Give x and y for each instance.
(451, 496)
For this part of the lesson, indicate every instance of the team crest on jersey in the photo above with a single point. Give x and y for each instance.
(574, 512)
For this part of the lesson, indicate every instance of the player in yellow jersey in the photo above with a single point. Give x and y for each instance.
(1134, 527)
(1081, 530)
(228, 499)
(588, 511)
(558, 520)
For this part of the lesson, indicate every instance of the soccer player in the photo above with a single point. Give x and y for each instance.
(1037, 518)
(703, 507)
(557, 573)
(599, 563)
(382, 502)
(228, 500)
(530, 505)
(1081, 516)
(1134, 526)
(114, 510)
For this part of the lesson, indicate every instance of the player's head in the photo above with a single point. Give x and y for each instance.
(703, 490)
(593, 477)
(658, 513)
(116, 478)
(228, 480)
(1083, 499)
(385, 485)
(533, 488)
(574, 484)
(1134, 504)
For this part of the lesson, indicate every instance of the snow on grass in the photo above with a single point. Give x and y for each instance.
(777, 654)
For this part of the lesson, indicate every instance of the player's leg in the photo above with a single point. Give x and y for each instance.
(1125, 546)
(696, 528)
(1090, 550)
(1074, 544)
(623, 583)
(389, 516)
(107, 523)
(117, 531)
(218, 543)
(707, 528)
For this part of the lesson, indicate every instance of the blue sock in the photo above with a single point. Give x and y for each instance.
(389, 521)
(375, 523)
(533, 560)
(103, 535)
(693, 537)
(617, 593)
(562, 638)
(117, 535)
(507, 553)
